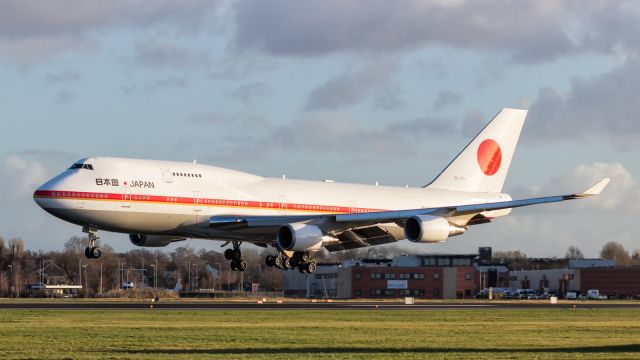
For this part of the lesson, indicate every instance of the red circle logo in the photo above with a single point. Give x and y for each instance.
(489, 157)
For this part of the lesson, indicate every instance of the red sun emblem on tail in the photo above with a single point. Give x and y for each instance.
(489, 157)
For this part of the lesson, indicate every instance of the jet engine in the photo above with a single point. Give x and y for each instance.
(430, 229)
(301, 237)
(153, 240)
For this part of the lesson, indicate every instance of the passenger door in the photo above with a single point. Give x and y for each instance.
(167, 176)
(197, 204)
(282, 200)
(126, 198)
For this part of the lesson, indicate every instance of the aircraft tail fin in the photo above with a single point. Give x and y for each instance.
(483, 164)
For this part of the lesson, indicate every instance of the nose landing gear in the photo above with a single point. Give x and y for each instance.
(92, 251)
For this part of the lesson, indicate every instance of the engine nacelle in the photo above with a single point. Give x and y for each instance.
(300, 237)
(153, 240)
(430, 229)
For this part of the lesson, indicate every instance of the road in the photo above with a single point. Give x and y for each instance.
(295, 305)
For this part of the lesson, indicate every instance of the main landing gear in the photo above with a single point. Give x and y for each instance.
(300, 260)
(92, 251)
(235, 255)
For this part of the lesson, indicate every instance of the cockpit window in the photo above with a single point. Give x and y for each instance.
(81, 166)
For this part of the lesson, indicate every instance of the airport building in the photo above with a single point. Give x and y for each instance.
(459, 277)
(564, 279)
(612, 282)
(427, 277)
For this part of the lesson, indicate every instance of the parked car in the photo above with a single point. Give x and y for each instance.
(593, 294)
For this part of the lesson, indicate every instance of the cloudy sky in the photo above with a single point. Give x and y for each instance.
(357, 91)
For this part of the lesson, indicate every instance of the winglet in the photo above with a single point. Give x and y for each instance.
(595, 189)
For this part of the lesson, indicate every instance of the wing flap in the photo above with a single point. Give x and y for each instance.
(235, 222)
(362, 237)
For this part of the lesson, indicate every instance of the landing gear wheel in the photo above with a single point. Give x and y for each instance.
(305, 257)
(278, 261)
(241, 265)
(235, 255)
(295, 261)
(95, 252)
(90, 251)
(311, 267)
(287, 264)
(270, 260)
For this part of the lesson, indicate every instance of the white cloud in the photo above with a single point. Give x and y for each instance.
(622, 193)
(22, 176)
(446, 98)
(603, 104)
(31, 29)
(247, 93)
(161, 55)
(528, 31)
(351, 87)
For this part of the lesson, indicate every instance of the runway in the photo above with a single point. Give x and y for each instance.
(296, 305)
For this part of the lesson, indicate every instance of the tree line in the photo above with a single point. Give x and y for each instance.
(184, 268)
(191, 270)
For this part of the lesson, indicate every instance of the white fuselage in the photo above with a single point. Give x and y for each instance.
(176, 198)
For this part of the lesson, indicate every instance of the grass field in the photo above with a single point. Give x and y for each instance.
(322, 334)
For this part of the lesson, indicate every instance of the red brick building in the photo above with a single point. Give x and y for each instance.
(428, 277)
(620, 282)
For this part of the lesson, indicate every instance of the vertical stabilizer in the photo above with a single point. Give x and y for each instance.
(483, 165)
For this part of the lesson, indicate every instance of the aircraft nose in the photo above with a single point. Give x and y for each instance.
(39, 194)
(45, 193)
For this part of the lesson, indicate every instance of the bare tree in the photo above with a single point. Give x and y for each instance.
(4, 273)
(16, 251)
(516, 258)
(509, 254)
(77, 244)
(615, 251)
(574, 252)
(16, 247)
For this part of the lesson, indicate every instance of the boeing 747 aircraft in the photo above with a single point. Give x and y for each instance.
(160, 202)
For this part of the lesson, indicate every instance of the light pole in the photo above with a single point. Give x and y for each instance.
(84, 266)
(195, 275)
(219, 276)
(11, 277)
(155, 276)
(100, 278)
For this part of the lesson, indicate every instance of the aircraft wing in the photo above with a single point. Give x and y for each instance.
(395, 215)
(450, 211)
(375, 228)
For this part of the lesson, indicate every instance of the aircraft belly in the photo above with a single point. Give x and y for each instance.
(127, 221)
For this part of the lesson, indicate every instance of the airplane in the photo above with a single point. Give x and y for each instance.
(161, 202)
